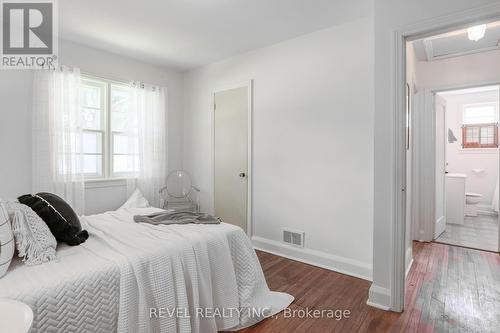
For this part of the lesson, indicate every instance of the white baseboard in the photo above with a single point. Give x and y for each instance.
(316, 258)
(379, 298)
(408, 260)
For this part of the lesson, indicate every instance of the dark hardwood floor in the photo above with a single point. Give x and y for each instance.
(449, 289)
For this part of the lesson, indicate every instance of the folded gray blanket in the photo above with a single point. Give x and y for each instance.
(180, 217)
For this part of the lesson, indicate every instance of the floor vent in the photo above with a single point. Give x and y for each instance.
(293, 237)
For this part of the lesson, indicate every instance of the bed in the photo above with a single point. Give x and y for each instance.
(131, 277)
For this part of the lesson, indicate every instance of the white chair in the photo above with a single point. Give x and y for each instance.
(180, 194)
(15, 316)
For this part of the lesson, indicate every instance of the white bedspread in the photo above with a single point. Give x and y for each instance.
(208, 274)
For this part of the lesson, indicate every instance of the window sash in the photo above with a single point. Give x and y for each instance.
(113, 154)
(107, 149)
(479, 129)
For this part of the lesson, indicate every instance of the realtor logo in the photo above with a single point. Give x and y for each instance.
(28, 34)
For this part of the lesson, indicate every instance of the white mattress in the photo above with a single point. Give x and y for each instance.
(111, 282)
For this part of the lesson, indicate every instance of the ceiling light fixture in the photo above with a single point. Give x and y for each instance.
(477, 32)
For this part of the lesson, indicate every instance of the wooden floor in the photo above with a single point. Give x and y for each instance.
(449, 289)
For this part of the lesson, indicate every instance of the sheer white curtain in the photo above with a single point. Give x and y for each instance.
(147, 107)
(57, 136)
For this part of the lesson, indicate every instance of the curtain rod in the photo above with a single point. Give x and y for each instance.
(100, 76)
(106, 77)
(119, 80)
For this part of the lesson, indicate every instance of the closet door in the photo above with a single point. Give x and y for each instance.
(231, 155)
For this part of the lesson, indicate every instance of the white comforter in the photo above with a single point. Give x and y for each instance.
(189, 278)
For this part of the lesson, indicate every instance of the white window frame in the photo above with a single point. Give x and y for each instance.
(107, 133)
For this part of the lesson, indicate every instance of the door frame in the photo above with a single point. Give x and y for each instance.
(434, 91)
(437, 25)
(249, 85)
(445, 148)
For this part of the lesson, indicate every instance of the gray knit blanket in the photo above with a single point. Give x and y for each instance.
(179, 217)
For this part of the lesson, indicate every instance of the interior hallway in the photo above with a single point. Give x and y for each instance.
(449, 289)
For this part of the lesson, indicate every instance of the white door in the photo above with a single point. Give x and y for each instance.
(441, 141)
(231, 155)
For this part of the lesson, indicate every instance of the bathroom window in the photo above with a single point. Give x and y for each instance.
(480, 126)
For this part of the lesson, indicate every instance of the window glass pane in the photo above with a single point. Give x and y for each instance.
(480, 114)
(91, 96)
(472, 134)
(92, 143)
(92, 164)
(92, 119)
(487, 135)
(125, 163)
(120, 117)
(124, 144)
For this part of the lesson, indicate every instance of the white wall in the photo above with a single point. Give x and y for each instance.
(392, 16)
(463, 160)
(312, 147)
(15, 120)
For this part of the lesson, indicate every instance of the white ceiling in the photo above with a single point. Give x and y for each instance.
(456, 43)
(189, 33)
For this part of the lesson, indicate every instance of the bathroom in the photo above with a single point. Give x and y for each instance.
(467, 123)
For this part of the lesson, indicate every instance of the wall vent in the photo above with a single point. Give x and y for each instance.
(293, 237)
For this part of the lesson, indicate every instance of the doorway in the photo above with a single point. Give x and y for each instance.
(467, 163)
(453, 156)
(232, 149)
(425, 210)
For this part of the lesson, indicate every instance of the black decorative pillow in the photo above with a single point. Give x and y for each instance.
(59, 216)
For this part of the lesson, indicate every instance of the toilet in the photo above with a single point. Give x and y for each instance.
(471, 201)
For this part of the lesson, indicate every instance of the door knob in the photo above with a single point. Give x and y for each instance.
(242, 175)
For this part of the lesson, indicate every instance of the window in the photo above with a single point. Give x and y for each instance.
(93, 113)
(109, 144)
(480, 126)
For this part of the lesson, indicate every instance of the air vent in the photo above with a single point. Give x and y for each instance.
(293, 237)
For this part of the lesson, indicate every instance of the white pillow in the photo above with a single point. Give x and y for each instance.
(136, 200)
(6, 240)
(34, 241)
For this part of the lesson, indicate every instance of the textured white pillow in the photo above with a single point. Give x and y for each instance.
(34, 241)
(136, 200)
(6, 240)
